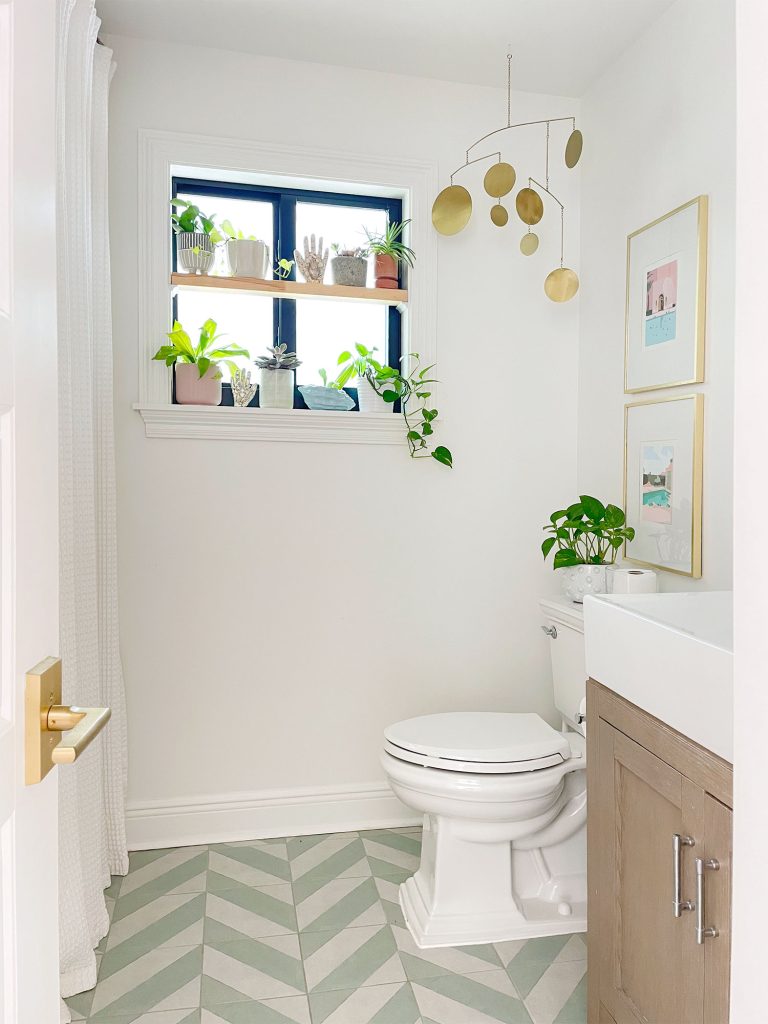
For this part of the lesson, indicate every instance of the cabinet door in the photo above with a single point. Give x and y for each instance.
(650, 966)
(718, 833)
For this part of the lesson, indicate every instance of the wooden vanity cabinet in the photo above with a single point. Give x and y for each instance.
(647, 784)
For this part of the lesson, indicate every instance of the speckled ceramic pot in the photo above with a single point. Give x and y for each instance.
(349, 270)
(578, 580)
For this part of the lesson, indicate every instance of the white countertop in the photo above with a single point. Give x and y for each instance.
(670, 654)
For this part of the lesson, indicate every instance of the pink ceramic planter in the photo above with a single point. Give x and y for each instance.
(192, 389)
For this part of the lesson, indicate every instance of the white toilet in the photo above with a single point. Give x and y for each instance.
(504, 798)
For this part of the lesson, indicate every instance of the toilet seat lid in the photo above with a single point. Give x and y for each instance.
(484, 741)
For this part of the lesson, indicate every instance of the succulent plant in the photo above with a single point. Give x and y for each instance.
(360, 252)
(279, 358)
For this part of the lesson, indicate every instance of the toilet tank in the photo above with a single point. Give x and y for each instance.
(564, 621)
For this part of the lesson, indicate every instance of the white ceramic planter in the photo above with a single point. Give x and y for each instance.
(194, 252)
(248, 257)
(276, 389)
(367, 398)
(578, 580)
(192, 389)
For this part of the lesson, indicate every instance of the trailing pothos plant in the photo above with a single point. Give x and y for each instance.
(204, 355)
(408, 385)
(586, 533)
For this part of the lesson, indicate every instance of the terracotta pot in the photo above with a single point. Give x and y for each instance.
(386, 271)
(192, 389)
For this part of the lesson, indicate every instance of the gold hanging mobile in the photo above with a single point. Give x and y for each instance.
(452, 209)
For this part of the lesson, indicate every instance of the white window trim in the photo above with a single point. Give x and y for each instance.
(162, 154)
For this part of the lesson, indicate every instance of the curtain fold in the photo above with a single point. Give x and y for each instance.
(92, 843)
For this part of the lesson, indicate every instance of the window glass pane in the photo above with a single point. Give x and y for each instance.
(252, 217)
(244, 319)
(343, 224)
(326, 329)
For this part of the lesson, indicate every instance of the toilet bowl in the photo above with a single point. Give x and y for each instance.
(504, 802)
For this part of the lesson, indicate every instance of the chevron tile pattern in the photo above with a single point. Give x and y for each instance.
(308, 930)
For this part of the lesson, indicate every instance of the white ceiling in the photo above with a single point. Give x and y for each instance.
(559, 46)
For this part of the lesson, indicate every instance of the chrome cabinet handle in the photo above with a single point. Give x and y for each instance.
(550, 631)
(678, 842)
(702, 932)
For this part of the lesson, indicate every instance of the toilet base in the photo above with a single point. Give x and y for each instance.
(533, 919)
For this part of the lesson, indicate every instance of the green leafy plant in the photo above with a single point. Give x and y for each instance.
(586, 533)
(278, 358)
(390, 243)
(408, 385)
(204, 355)
(190, 218)
(232, 233)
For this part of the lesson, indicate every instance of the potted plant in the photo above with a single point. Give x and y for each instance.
(198, 378)
(360, 369)
(328, 395)
(389, 251)
(247, 255)
(196, 236)
(349, 266)
(586, 537)
(409, 386)
(276, 377)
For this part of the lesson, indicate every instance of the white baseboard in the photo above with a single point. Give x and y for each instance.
(230, 817)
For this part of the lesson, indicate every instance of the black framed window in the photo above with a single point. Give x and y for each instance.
(316, 330)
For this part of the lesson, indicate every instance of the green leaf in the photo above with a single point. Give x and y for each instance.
(629, 533)
(361, 349)
(614, 517)
(547, 546)
(390, 396)
(566, 557)
(413, 435)
(562, 514)
(426, 429)
(181, 203)
(595, 509)
(343, 358)
(443, 456)
(575, 511)
(203, 365)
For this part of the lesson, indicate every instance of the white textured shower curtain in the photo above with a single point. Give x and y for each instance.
(92, 791)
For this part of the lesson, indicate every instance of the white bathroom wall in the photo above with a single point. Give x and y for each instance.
(281, 603)
(659, 129)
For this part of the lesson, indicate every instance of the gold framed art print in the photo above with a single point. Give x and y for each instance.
(663, 459)
(665, 318)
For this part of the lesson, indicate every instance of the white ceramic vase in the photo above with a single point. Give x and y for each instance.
(578, 580)
(368, 400)
(248, 257)
(276, 389)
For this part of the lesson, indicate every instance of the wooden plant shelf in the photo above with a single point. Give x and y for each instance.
(292, 289)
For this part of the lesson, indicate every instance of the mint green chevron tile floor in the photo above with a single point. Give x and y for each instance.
(308, 930)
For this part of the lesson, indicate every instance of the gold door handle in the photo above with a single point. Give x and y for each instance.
(83, 724)
(46, 719)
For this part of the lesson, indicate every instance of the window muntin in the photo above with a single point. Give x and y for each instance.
(317, 331)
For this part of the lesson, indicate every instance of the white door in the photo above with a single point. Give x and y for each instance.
(29, 570)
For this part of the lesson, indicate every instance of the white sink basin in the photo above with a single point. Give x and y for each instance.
(670, 654)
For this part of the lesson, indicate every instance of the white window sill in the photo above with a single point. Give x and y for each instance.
(229, 423)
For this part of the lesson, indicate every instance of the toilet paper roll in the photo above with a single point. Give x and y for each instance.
(631, 581)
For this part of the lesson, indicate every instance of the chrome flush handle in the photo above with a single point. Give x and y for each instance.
(678, 842)
(703, 932)
(550, 631)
